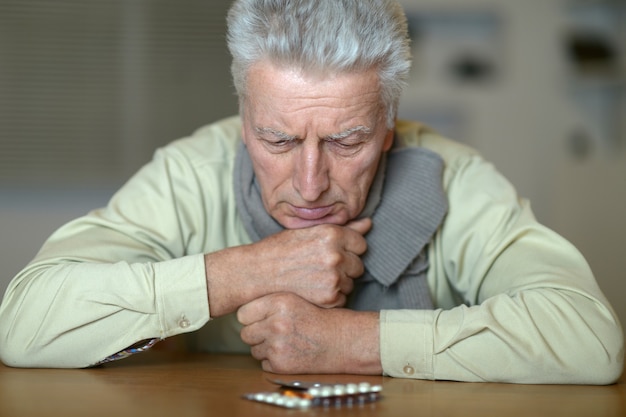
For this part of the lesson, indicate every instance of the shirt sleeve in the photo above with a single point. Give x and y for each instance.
(517, 302)
(127, 273)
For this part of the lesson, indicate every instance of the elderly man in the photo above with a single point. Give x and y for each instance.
(318, 233)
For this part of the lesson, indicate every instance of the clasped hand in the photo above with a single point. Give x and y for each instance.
(295, 327)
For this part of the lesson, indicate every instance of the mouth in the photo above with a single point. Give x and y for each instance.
(312, 213)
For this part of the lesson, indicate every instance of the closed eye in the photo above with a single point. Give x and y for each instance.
(349, 141)
(275, 141)
(345, 148)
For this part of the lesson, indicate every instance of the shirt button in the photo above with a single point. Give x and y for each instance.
(408, 370)
(184, 323)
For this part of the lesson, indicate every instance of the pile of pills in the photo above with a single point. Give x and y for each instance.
(304, 395)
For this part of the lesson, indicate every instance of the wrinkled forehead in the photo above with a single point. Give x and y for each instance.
(350, 99)
(282, 81)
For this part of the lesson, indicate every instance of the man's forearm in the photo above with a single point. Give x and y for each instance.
(360, 334)
(226, 290)
(318, 264)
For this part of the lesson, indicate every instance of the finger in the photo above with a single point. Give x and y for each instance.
(254, 311)
(259, 352)
(361, 226)
(353, 266)
(354, 241)
(346, 285)
(244, 315)
(252, 335)
(266, 365)
(338, 301)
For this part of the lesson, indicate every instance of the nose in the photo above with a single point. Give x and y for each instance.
(311, 176)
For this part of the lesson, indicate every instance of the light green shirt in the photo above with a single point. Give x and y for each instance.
(514, 301)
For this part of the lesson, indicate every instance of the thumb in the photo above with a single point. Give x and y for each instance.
(361, 226)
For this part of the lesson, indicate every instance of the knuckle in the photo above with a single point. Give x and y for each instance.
(283, 302)
(330, 232)
(280, 326)
(333, 259)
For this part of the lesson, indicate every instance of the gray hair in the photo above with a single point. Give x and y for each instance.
(323, 36)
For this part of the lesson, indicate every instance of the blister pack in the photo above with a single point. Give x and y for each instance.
(297, 394)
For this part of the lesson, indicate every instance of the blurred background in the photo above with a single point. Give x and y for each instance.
(88, 90)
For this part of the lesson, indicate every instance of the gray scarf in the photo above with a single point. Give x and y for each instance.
(407, 205)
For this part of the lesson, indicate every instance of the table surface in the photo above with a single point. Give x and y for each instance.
(174, 384)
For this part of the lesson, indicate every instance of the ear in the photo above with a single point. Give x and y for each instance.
(388, 140)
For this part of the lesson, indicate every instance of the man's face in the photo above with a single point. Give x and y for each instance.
(315, 143)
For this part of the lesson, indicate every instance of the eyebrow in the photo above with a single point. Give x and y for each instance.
(349, 132)
(274, 132)
(333, 136)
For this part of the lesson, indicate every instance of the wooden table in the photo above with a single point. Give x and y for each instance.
(176, 385)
